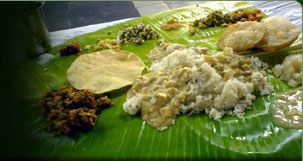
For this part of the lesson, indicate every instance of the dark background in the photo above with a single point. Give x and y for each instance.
(65, 15)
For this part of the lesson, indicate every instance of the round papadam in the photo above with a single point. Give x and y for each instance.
(242, 35)
(280, 33)
(104, 71)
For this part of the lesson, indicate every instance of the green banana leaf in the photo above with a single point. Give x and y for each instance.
(118, 135)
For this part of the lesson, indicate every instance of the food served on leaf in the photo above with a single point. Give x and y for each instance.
(280, 33)
(68, 110)
(186, 81)
(250, 15)
(286, 109)
(137, 34)
(104, 71)
(195, 136)
(70, 49)
(242, 35)
(290, 70)
(215, 18)
(171, 25)
(158, 53)
(107, 44)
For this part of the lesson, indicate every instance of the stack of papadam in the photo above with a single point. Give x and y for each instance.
(271, 34)
(242, 35)
(104, 71)
(279, 34)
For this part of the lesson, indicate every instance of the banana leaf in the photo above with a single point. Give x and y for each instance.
(118, 135)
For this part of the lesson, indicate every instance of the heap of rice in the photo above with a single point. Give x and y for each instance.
(219, 84)
(290, 70)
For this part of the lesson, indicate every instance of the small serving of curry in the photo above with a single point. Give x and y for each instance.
(68, 110)
(171, 25)
(286, 109)
(70, 49)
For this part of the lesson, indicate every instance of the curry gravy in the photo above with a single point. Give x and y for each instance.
(286, 109)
